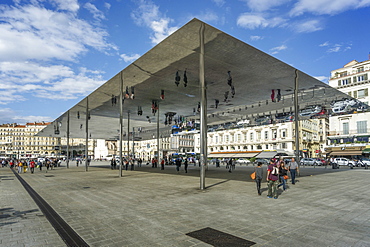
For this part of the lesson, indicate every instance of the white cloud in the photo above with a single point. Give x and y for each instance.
(329, 7)
(129, 58)
(69, 5)
(255, 38)
(148, 15)
(93, 10)
(207, 16)
(324, 44)
(263, 5)
(107, 5)
(308, 26)
(7, 115)
(219, 3)
(34, 32)
(52, 82)
(335, 48)
(255, 20)
(277, 49)
(322, 78)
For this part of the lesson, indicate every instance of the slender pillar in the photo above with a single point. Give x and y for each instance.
(158, 162)
(128, 137)
(296, 117)
(68, 139)
(120, 126)
(203, 111)
(87, 135)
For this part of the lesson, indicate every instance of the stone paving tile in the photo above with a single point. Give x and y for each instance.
(157, 208)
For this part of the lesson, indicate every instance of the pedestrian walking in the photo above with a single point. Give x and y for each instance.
(178, 164)
(283, 172)
(162, 164)
(217, 162)
(186, 165)
(32, 166)
(20, 166)
(39, 165)
(230, 164)
(272, 179)
(259, 177)
(293, 169)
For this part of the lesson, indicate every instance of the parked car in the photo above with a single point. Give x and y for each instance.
(307, 161)
(310, 110)
(242, 161)
(319, 162)
(344, 162)
(263, 161)
(363, 162)
(263, 120)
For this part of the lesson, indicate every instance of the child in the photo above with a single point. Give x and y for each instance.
(259, 175)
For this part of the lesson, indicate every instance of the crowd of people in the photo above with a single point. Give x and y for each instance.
(25, 165)
(277, 176)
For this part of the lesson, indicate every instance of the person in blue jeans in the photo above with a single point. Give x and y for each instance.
(293, 168)
(283, 171)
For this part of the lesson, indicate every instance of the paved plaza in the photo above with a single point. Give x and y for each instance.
(150, 207)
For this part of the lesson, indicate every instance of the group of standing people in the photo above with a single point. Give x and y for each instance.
(277, 175)
(23, 165)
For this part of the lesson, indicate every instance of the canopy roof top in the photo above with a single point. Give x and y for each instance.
(254, 75)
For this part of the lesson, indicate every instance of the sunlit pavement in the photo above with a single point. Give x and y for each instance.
(153, 207)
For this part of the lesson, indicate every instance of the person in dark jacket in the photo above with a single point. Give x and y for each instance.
(272, 179)
(259, 176)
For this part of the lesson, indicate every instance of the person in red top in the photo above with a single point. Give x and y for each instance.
(272, 179)
(32, 166)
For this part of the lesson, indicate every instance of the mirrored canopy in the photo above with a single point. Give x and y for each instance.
(242, 83)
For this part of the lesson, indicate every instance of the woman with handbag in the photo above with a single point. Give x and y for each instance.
(283, 175)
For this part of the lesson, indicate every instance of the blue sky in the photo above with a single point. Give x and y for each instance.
(55, 52)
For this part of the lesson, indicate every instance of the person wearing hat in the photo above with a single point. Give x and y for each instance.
(272, 179)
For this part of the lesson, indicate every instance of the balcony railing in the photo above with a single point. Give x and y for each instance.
(349, 133)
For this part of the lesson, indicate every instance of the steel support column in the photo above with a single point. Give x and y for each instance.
(203, 111)
(120, 127)
(67, 140)
(87, 135)
(157, 134)
(296, 117)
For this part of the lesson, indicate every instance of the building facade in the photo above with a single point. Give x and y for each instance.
(20, 141)
(351, 131)
(278, 137)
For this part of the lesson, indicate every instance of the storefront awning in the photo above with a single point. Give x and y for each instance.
(266, 155)
(232, 155)
(343, 153)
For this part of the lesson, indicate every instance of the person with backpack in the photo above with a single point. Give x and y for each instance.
(272, 179)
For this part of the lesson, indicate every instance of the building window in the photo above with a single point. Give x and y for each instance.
(345, 128)
(361, 127)
(361, 69)
(266, 134)
(283, 145)
(283, 133)
(251, 137)
(259, 135)
(362, 93)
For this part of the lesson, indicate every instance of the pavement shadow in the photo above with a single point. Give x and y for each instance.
(10, 216)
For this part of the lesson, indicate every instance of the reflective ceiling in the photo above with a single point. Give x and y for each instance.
(254, 74)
